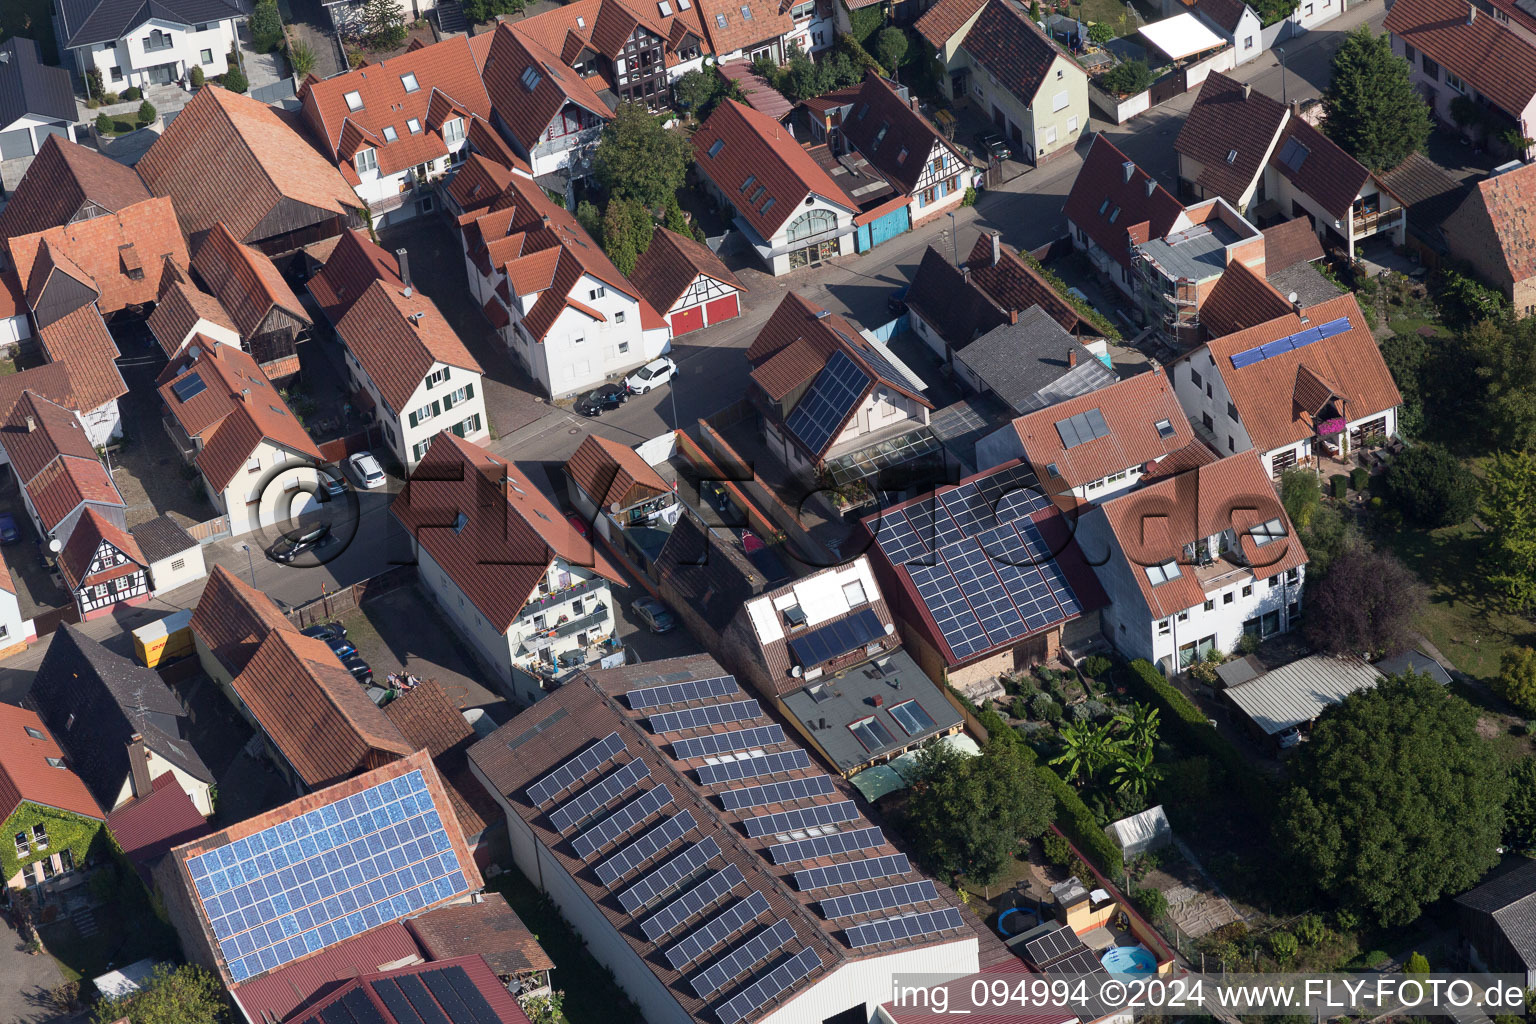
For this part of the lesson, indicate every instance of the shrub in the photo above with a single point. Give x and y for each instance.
(1189, 728)
(1516, 681)
(1100, 32)
(104, 124)
(93, 86)
(1127, 79)
(133, 92)
(1417, 963)
(1041, 705)
(1019, 708)
(196, 77)
(1080, 712)
(1311, 931)
(1056, 849)
(1430, 487)
(1359, 478)
(234, 80)
(1097, 666)
(1078, 824)
(1338, 485)
(969, 199)
(147, 112)
(109, 98)
(1151, 902)
(266, 26)
(301, 59)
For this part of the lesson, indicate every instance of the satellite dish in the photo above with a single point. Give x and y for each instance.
(890, 627)
(796, 671)
(1291, 297)
(55, 545)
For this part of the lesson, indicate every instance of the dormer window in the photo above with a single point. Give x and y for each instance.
(365, 161)
(409, 81)
(794, 615)
(354, 100)
(1160, 574)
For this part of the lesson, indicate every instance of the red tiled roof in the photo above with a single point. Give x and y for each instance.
(1289, 243)
(65, 484)
(425, 1004)
(85, 540)
(1326, 173)
(1110, 182)
(397, 340)
(730, 30)
(107, 249)
(478, 182)
(756, 91)
(512, 534)
(36, 431)
(1239, 299)
(13, 301)
(283, 992)
(352, 266)
(82, 342)
(314, 712)
(1011, 48)
(227, 157)
(756, 146)
(146, 828)
(1504, 205)
(1487, 56)
(797, 319)
(489, 928)
(1263, 391)
(25, 773)
(611, 473)
(486, 141)
(49, 381)
(1233, 120)
(1015, 285)
(958, 309)
(906, 137)
(232, 618)
(943, 20)
(246, 283)
(428, 718)
(526, 113)
(672, 263)
(1155, 522)
(62, 178)
(182, 309)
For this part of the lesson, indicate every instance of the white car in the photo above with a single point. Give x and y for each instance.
(652, 374)
(366, 470)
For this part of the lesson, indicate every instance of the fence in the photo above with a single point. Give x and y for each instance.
(349, 599)
(209, 530)
(339, 448)
(46, 622)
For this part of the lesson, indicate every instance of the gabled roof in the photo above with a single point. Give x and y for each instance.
(148, 826)
(1227, 14)
(121, 255)
(1014, 285)
(1230, 131)
(227, 157)
(1501, 206)
(1263, 391)
(1030, 362)
(672, 263)
(1240, 299)
(1510, 899)
(291, 987)
(1154, 523)
(1289, 243)
(428, 718)
(85, 540)
(610, 473)
(754, 146)
(1428, 192)
(313, 711)
(443, 991)
(953, 305)
(488, 928)
(1318, 166)
(940, 22)
(184, 309)
(1487, 56)
(80, 340)
(232, 618)
(161, 537)
(353, 265)
(100, 21)
(28, 86)
(707, 568)
(246, 283)
(62, 178)
(1013, 49)
(730, 29)
(514, 60)
(49, 381)
(1111, 195)
(511, 531)
(892, 136)
(397, 340)
(478, 182)
(37, 431)
(25, 771)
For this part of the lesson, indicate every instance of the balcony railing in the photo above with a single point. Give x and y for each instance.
(1370, 223)
(561, 596)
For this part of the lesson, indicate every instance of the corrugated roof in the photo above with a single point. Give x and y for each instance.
(1297, 693)
(147, 828)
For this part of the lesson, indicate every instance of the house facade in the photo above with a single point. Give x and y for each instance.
(16, 631)
(103, 567)
(1109, 197)
(686, 283)
(615, 490)
(144, 44)
(50, 820)
(54, 460)
(264, 310)
(1487, 230)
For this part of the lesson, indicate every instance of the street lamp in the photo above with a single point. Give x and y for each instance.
(954, 237)
(1284, 94)
(250, 562)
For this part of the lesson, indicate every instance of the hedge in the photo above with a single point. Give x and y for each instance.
(1079, 825)
(1340, 484)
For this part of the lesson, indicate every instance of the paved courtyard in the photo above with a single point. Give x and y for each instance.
(28, 980)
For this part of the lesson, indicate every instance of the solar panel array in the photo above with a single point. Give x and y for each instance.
(819, 415)
(622, 821)
(1290, 343)
(851, 871)
(707, 715)
(826, 846)
(1082, 428)
(741, 960)
(775, 792)
(804, 817)
(907, 894)
(676, 693)
(908, 927)
(350, 1008)
(753, 767)
(736, 918)
(768, 987)
(426, 997)
(643, 849)
(1084, 961)
(877, 361)
(599, 795)
(320, 877)
(714, 888)
(923, 527)
(727, 742)
(835, 638)
(1052, 946)
(662, 879)
(583, 764)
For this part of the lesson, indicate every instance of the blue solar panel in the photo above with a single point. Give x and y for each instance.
(1290, 343)
(669, 875)
(705, 715)
(775, 792)
(676, 693)
(819, 416)
(753, 767)
(598, 795)
(770, 986)
(827, 846)
(905, 927)
(837, 638)
(743, 958)
(732, 921)
(715, 743)
(578, 767)
(696, 900)
(637, 853)
(326, 874)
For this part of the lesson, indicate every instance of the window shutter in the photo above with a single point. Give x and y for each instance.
(446, 373)
(469, 391)
(429, 382)
(413, 419)
(437, 408)
(447, 402)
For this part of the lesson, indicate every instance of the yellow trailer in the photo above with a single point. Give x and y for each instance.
(164, 640)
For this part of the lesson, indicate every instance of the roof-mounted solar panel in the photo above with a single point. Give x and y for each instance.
(583, 764)
(691, 903)
(742, 959)
(637, 853)
(753, 767)
(911, 926)
(677, 693)
(712, 744)
(776, 793)
(905, 895)
(705, 715)
(851, 872)
(674, 872)
(734, 920)
(827, 846)
(768, 987)
(598, 795)
(622, 821)
(805, 817)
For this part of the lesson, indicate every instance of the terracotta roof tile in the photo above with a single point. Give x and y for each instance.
(428, 718)
(671, 264)
(147, 828)
(478, 183)
(232, 618)
(526, 113)
(49, 381)
(1012, 48)
(1289, 243)
(81, 341)
(37, 431)
(1240, 299)
(943, 20)
(905, 137)
(1112, 195)
(397, 340)
(65, 484)
(1506, 201)
(611, 473)
(1326, 173)
(729, 29)
(183, 310)
(957, 308)
(1233, 120)
(62, 178)
(1489, 57)
(353, 265)
(1014, 285)
(246, 283)
(286, 990)
(490, 928)
(790, 367)
(25, 773)
(84, 541)
(486, 141)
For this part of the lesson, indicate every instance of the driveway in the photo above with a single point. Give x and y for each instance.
(24, 997)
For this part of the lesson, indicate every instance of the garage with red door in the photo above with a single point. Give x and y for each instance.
(685, 320)
(721, 309)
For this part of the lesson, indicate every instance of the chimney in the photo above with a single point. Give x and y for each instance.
(1072, 356)
(31, 424)
(1156, 368)
(997, 247)
(1129, 168)
(821, 723)
(1247, 90)
(965, 272)
(405, 270)
(1471, 13)
(1151, 187)
(1013, 316)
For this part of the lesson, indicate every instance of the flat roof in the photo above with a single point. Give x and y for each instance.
(1197, 252)
(1180, 36)
(1299, 692)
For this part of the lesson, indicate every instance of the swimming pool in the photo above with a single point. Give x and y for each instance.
(1129, 960)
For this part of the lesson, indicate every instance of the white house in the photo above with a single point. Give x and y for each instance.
(15, 631)
(687, 283)
(1194, 562)
(1109, 196)
(174, 558)
(615, 489)
(36, 101)
(403, 355)
(526, 591)
(560, 305)
(1306, 389)
(145, 44)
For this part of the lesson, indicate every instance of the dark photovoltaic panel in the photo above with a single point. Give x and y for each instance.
(851, 871)
(395, 1001)
(583, 764)
(452, 987)
(676, 693)
(361, 1009)
(742, 959)
(1084, 961)
(597, 796)
(706, 715)
(925, 526)
(727, 742)
(898, 539)
(736, 918)
(420, 999)
(753, 767)
(835, 638)
(908, 927)
(776, 792)
(826, 846)
(1082, 428)
(819, 415)
(662, 879)
(907, 894)
(942, 597)
(322, 876)
(622, 821)
(708, 892)
(643, 849)
(769, 987)
(805, 817)
(1052, 946)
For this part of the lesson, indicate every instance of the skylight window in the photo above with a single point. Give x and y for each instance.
(56, 762)
(531, 78)
(390, 135)
(1268, 533)
(768, 205)
(1231, 155)
(885, 126)
(715, 147)
(665, 9)
(581, 22)
(901, 157)
(853, 593)
(748, 183)
(757, 195)
(683, 5)
(1103, 206)
(409, 81)
(34, 733)
(720, 20)
(863, 109)
(1165, 428)
(1113, 214)
(354, 100)
(460, 522)
(1159, 574)
(414, 125)
(746, 13)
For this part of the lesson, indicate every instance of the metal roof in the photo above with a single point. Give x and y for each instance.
(1300, 691)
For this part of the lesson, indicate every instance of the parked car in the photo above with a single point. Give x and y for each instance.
(994, 146)
(896, 302)
(9, 532)
(577, 523)
(1289, 737)
(332, 483)
(600, 399)
(365, 470)
(657, 617)
(653, 374)
(359, 669)
(337, 642)
(296, 542)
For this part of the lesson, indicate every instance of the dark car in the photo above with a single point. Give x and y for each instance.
(326, 631)
(656, 616)
(359, 669)
(896, 302)
(602, 398)
(9, 533)
(994, 146)
(291, 545)
(340, 645)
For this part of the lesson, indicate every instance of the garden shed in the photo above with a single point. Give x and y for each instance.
(1139, 833)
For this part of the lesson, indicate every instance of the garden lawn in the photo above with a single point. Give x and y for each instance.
(1411, 324)
(127, 931)
(1112, 11)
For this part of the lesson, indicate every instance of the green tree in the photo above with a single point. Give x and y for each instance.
(187, 994)
(234, 80)
(1283, 947)
(1134, 772)
(1367, 602)
(301, 59)
(1301, 495)
(1086, 748)
(383, 24)
(1372, 109)
(1396, 800)
(891, 48)
(590, 218)
(196, 77)
(1501, 394)
(1034, 10)
(675, 222)
(1271, 11)
(1432, 487)
(1464, 301)
(1127, 78)
(147, 112)
(1326, 537)
(1509, 512)
(619, 238)
(968, 813)
(1100, 32)
(639, 159)
(481, 11)
(1407, 356)
(266, 26)
(1139, 724)
(1417, 963)
(1516, 681)
(104, 124)
(1520, 805)
(696, 91)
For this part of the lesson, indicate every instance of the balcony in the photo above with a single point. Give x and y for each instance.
(152, 45)
(1369, 222)
(557, 597)
(565, 142)
(582, 624)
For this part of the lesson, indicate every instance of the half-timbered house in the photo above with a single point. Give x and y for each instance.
(269, 316)
(103, 566)
(686, 282)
